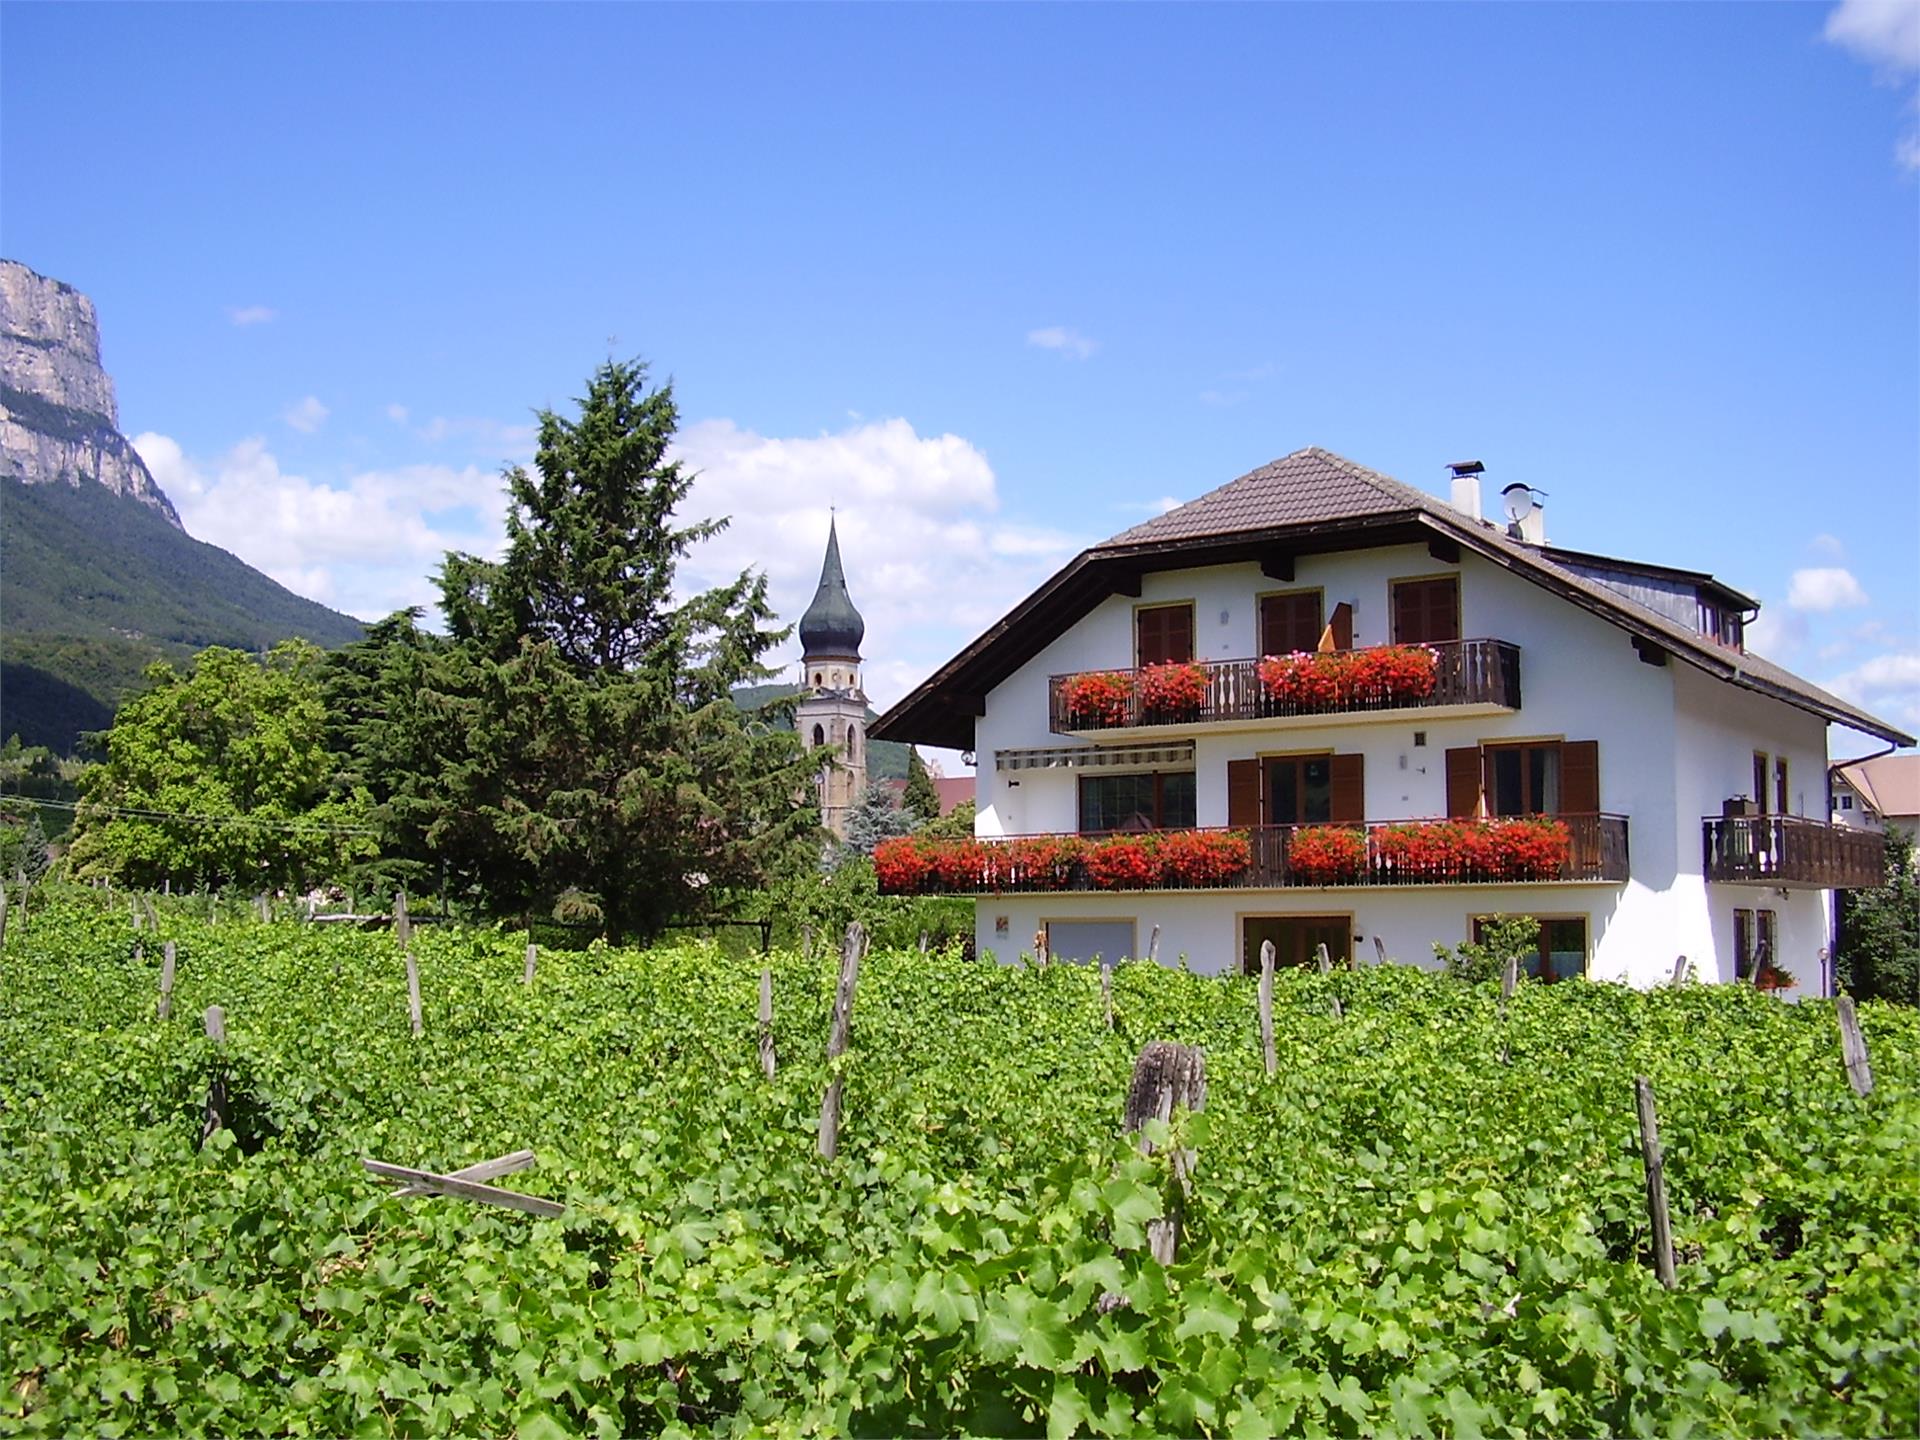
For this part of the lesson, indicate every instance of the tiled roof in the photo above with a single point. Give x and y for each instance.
(1889, 783)
(1299, 489)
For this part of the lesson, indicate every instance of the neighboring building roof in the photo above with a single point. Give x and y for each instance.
(954, 791)
(1309, 502)
(831, 625)
(1889, 783)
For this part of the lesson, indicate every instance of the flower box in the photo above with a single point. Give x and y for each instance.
(1204, 857)
(1129, 864)
(1327, 854)
(1173, 690)
(1098, 697)
(1382, 675)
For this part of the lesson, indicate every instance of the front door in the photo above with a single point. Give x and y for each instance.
(1296, 939)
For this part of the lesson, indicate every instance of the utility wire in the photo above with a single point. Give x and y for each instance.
(231, 820)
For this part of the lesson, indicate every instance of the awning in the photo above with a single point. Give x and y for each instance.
(1090, 757)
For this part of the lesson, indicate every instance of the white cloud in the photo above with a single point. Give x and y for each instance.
(308, 416)
(928, 561)
(397, 414)
(490, 438)
(1885, 34)
(1830, 546)
(368, 545)
(1887, 685)
(1776, 632)
(1066, 342)
(1881, 32)
(245, 315)
(1221, 399)
(1825, 588)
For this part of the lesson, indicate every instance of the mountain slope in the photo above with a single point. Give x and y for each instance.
(95, 586)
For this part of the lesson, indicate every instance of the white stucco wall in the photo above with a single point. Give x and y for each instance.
(1673, 744)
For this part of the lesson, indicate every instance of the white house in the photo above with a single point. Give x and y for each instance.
(1442, 666)
(1879, 793)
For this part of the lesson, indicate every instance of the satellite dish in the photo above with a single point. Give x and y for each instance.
(1518, 500)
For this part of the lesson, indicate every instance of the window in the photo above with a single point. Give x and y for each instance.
(1163, 633)
(1087, 940)
(819, 736)
(1755, 934)
(1562, 952)
(1290, 622)
(1780, 805)
(1296, 939)
(1846, 802)
(1426, 611)
(1523, 779)
(1725, 626)
(1760, 781)
(1299, 789)
(1536, 777)
(1157, 801)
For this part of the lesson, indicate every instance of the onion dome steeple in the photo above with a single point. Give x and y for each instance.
(831, 626)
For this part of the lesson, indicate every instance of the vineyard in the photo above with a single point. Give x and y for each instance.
(1431, 1220)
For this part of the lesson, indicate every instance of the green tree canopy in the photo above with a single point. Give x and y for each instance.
(1879, 955)
(576, 734)
(921, 798)
(220, 776)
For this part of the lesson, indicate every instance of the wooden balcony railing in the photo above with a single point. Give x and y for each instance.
(1463, 672)
(1536, 850)
(1793, 852)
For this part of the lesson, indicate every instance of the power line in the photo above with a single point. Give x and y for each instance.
(244, 821)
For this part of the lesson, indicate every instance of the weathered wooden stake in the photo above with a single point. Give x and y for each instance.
(1679, 970)
(1656, 1182)
(837, 1039)
(768, 1063)
(533, 957)
(1153, 947)
(1266, 1007)
(402, 926)
(3, 915)
(1106, 991)
(1167, 1079)
(806, 942)
(1325, 962)
(265, 907)
(216, 1117)
(923, 942)
(166, 980)
(138, 918)
(413, 991)
(1040, 948)
(1853, 1046)
(1379, 952)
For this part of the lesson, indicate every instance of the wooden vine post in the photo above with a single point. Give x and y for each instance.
(1167, 1079)
(166, 980)
(837, 1039)
(1266, 1008)
(768, 1061)
(1106, 991)
(402, 925)
(1655, 1167)
(1853, 1046)
(3, 915)
(1153, 947)
(403, 932)
(217, 1115)
(1679, 970)
(1040, 948)
(533, 957)
(1325, 962)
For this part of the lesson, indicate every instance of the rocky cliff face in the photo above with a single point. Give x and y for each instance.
(58, 418)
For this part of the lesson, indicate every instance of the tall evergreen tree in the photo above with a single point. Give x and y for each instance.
(921, 799)
(582, 720)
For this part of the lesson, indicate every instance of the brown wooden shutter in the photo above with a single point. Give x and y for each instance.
(1580, 777)
(1164, 632)
(1426, 611)
(1347, 805)
(1339, 628)
(1290, 622)
(1243, 792)
(1463, 782)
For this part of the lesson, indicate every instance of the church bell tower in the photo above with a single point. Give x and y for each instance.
(832, 712)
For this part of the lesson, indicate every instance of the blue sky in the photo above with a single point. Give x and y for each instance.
(999, 281)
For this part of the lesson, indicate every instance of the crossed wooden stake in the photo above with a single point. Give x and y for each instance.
(465, 1183)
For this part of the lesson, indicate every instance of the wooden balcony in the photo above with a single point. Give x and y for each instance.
(1575, 849)
(1467, 676)
(1793, 853)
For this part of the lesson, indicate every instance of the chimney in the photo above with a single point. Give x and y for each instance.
(1526, 521)
(1466, 487)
